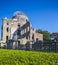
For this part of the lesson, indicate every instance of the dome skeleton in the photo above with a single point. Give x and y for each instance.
(19, 14)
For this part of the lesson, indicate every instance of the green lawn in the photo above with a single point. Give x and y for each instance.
(20, 57)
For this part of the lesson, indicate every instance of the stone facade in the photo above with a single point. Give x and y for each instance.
(17, 33)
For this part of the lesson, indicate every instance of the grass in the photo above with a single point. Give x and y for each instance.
(21, 57)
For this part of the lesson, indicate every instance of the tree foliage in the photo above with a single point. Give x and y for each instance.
(46, 34)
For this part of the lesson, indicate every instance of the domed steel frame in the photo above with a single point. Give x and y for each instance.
(18, 14)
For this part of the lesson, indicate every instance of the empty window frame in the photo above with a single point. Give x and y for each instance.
(7, 23)
(7, 29)
(6, 37)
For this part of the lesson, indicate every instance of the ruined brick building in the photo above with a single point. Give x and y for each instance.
(17, 32)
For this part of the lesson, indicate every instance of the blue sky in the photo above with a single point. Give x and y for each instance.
(43, 14)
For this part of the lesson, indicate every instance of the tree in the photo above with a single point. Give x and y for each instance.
(46, 34)
(39, 31)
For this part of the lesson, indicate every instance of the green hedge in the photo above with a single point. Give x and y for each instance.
(20, 57)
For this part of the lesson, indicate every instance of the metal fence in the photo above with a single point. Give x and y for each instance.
(45, 46)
